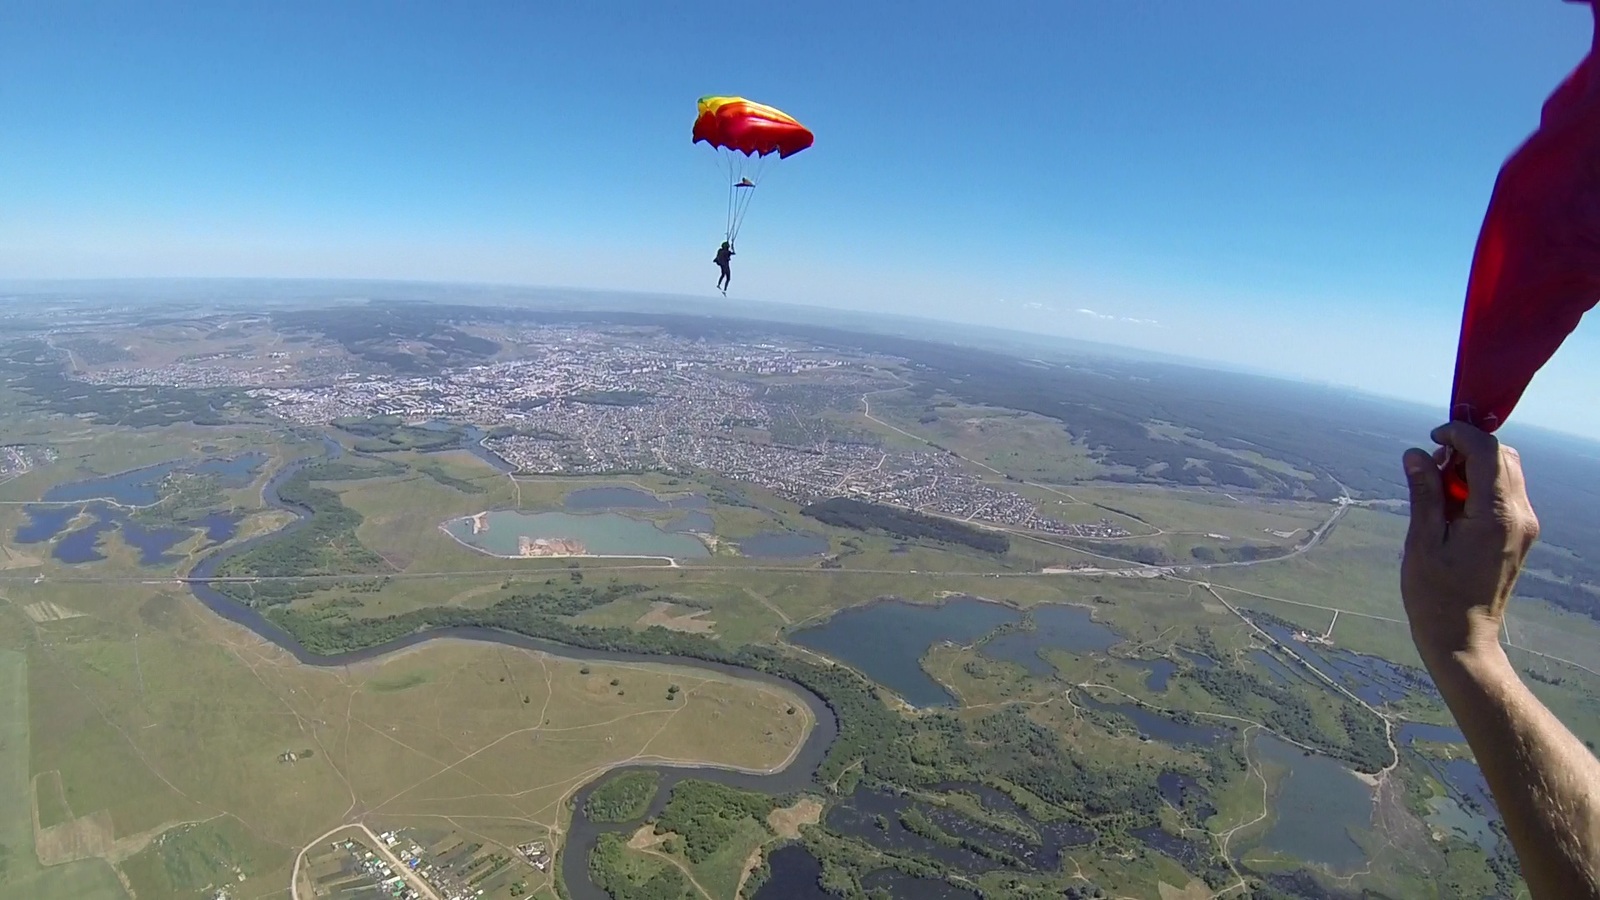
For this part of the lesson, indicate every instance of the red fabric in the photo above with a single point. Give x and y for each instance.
(1536, 269)
(749, 129)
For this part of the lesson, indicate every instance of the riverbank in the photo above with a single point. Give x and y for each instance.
(573, 855)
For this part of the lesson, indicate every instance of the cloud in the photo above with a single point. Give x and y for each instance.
(1106, 317)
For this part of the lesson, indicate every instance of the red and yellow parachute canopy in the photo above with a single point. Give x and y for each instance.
(754, 129)
(745, 135)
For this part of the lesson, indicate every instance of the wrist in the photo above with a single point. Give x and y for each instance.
(1478, 665)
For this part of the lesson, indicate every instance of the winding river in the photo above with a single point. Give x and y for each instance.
(582, 834)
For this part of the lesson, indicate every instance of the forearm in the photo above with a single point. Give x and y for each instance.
(1545, 782)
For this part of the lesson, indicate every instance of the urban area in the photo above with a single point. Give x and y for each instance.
(579, 401)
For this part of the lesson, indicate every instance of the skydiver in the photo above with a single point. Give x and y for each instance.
(724, 255)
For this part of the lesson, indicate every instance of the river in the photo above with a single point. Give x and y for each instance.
(582, 834)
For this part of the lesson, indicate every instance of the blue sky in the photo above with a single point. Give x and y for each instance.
(1290, 187)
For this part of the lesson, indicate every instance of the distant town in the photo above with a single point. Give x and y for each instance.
(585, 401)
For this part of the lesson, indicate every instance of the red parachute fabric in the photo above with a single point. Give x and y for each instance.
(1536, 269)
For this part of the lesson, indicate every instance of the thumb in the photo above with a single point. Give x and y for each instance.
(1427, 496)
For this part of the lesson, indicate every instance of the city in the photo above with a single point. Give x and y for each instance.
(587, 401)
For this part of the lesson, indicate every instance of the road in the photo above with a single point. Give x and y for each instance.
(373, 843)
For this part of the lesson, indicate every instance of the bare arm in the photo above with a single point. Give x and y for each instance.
(1456, 580)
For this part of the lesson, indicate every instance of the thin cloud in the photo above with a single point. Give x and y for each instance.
(1106, 317)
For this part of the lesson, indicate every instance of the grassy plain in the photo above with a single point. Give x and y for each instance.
(491, 737)
(21, 874)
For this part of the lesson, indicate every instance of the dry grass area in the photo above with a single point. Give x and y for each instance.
(192, 720)
(661, 613)
(785, 821)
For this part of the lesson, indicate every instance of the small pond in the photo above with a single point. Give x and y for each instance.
(887, 639)
(1316, 807)
(783, 545)
(1154, 725)
(502, 533)
(796, 875)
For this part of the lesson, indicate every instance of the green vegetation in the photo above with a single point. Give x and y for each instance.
(437, 473)
(386, 434)
(325, 543)
(707, 816)
(903, 523)
(185, 499)
(617, 873)
(191, 861)
(21, 875)
(35, 370)
(622, 798)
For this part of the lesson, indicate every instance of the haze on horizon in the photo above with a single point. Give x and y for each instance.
(1280, 188)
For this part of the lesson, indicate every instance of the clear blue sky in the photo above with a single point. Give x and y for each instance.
(1293, 187)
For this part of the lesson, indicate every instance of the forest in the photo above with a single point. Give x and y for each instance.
(904, 523)
(623, 797)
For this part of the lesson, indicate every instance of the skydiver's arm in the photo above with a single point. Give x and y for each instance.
(1456, 580)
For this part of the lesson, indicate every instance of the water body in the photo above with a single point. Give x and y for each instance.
(1055, 627)
(899, 884)
(1317, 806)
(598, 499)
(81, 546)
(1160, 672)
(1184, 792)
(581, 837)
(783, 545)
(45, 522)
(142, 487)
(692, 521)
(601, 534)
(861, 817)
(1411, 732)
(1154, 725)
(1279, 670)
(796, 875)
(1450, 817)
(887, 639)
(1377, 681)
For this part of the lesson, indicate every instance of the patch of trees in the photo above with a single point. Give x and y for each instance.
(1237, 553)
(904, 523)
(405, 337)
(610, 871)
(622, 798)
(707, 815)
(35, 370)
(384, 434)
(324, 543)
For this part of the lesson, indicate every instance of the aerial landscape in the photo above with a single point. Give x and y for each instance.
(394, 597)
(734, 451)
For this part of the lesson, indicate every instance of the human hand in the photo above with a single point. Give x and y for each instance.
(1458, 574)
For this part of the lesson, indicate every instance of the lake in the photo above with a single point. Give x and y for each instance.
(1316, 807)
(783, 545)
(887, 639)
(796, 875)
(1055, 627)
(142, 487)
(601, 534)
(1154, 725)
(151, 541)
(599, 499)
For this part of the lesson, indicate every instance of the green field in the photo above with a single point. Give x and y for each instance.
(21, 874)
